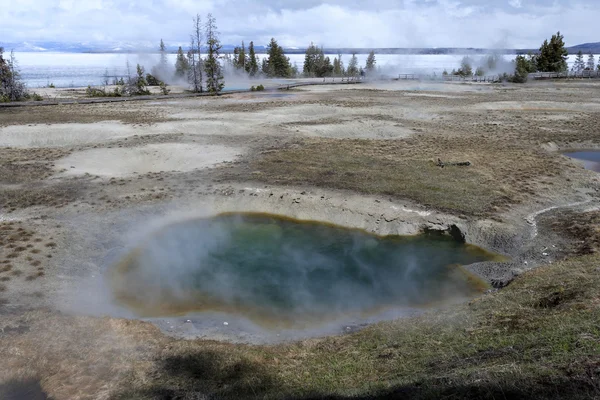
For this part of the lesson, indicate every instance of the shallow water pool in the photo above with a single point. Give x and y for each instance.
(590, 158)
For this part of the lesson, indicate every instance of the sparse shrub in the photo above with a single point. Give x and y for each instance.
(11, 86)
(34, 96)
(100, 92)
(164, 89)
(260, 88)
(253, 88)
(152, 80)
(465, 68)
(94, 92)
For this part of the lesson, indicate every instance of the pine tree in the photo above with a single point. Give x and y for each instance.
(337, 71)
(310, 60)
(353, 66)
(465, 67)
(315, 62)
(371, 61)
(240, 58)
(295, 71)
(212, 67)
(160, 71)
(140, 81)
(252, 65)
(342, 69)
(163, 55)
(579, 63)
(591, 62)
(181, 65)
(553, 55)
(278, 65)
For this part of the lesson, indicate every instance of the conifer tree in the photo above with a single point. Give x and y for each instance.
(278, 65)
(212, 67)
(181, 65)
(553, 55)
(342, 69)
(371, 61)
(310, 60)
(336, 67)
(265, 67)
(591, 62)
(579, 63)
(252, 65)
(160, 71)
(240, 59)
(163, 54)
(353, 66)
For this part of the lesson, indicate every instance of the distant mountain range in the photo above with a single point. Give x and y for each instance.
(148, 47)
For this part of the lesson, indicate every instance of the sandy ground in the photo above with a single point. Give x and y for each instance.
(79, 184)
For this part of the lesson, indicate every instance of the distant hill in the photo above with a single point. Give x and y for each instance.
(585, 48)
(150, 47)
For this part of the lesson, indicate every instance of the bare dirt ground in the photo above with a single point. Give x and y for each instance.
(80, 183)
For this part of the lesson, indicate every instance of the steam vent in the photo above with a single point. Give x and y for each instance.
(278, 271)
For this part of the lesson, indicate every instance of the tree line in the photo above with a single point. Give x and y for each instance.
(205, 72)
(552, 57)
(316, 64)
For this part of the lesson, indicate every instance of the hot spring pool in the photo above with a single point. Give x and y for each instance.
(275, 271)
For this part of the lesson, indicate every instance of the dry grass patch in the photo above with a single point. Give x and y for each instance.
(27, 165)
(47, 195)
(82, 113)
(583, 228)
(502, 173)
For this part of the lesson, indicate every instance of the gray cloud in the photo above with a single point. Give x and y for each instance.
(376, 23)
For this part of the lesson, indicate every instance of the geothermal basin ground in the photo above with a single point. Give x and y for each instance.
(87, 192)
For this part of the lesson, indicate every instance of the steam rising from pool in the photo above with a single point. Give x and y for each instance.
(277, 271)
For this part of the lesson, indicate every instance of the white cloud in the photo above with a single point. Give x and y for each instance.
(515, 3)
(376, 23)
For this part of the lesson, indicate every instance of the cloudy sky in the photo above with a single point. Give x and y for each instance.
(336, 23)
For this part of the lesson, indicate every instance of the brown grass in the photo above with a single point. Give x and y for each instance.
(135, 114)
(502, 173)
(48, 195)
(27, 165)
(583, 228)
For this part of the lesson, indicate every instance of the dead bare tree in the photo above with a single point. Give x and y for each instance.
(195, 57)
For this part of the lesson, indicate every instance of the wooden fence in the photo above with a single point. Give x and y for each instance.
(565, 75)
(449, 78)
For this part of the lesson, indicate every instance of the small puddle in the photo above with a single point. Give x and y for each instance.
(280, 272)
(589, 158)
